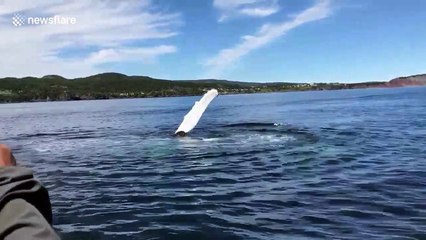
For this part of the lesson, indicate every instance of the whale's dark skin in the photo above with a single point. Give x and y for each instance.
(180, 134)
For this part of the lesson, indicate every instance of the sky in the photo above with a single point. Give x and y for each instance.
(241, 40)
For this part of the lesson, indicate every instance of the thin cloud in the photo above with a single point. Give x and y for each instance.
(250, 8)
(266, 34)
(106, 31)
(259, 11)
(129, 54)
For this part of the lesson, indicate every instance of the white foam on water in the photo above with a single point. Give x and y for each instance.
(42, 150)
(265, 138)
(211, 139)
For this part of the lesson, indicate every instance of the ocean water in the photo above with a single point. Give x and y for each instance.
(347, 164)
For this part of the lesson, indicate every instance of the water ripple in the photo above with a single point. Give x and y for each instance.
(118, 173)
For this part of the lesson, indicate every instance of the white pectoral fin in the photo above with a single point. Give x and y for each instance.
(193, 116)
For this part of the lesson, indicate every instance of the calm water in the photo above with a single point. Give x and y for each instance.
(335, 165)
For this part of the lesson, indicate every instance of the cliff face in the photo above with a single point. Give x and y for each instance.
(415, 80)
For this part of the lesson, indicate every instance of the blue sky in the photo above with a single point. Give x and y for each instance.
(244, 40)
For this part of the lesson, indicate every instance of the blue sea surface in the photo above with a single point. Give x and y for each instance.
(348, 164)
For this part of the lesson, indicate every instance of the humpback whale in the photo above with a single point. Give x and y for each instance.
(193, 116)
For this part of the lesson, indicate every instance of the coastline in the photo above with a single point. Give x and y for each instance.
(194, 95)
(119, 86)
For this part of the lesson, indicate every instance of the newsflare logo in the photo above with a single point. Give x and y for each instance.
(20, 20)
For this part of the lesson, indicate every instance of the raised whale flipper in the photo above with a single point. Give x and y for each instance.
(192, 117)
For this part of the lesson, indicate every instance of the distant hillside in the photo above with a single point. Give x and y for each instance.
(116, 85)
(415, 80)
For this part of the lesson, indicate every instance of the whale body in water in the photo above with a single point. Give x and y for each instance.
(193, 116)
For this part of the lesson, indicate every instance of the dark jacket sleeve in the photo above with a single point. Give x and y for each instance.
(25, 210)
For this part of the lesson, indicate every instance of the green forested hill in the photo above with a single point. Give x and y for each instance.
(101, 86)
(115, 85)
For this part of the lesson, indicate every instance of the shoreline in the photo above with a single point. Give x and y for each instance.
(223, 94)
(54, 88)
